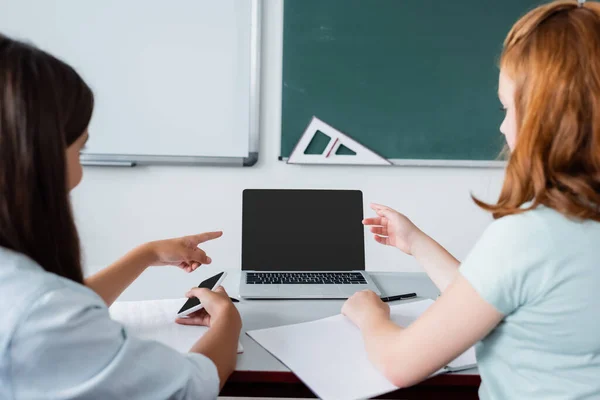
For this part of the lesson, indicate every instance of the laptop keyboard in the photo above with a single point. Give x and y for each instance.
(305, 278)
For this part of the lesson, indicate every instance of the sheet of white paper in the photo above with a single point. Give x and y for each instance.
(155, 320)
(328, 355)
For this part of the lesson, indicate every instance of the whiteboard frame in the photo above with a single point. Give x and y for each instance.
(131, 160)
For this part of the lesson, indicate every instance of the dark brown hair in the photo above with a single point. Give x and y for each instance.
(44, 107)
(553, 56)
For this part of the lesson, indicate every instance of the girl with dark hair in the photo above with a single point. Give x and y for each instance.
(57, 340)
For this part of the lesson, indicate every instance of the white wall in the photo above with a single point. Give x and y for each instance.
(117, 209)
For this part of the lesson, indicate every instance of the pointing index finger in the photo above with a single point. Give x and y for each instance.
(206, 236)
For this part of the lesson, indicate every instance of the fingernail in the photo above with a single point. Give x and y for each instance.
(208, 259)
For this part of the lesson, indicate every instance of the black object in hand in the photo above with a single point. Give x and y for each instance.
(398, 297)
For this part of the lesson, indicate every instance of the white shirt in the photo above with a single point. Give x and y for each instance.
(57, 341)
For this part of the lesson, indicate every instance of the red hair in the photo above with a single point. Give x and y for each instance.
(553, 56)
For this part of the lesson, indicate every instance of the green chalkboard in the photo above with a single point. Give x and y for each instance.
(409, 79)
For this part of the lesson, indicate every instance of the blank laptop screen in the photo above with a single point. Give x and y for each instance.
(302, 230)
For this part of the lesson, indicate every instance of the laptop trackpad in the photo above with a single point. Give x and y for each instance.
(309, 290)
(349, 290)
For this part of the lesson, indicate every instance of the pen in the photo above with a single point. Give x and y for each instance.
(234, 300)
(398, 297)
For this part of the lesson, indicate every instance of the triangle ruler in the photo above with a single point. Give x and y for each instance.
(362, 155)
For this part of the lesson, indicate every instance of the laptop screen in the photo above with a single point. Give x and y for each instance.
(302, 230)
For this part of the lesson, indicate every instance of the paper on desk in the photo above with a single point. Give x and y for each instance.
(328, 355)
(155, 320)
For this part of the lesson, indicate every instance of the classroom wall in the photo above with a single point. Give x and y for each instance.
(117, 209)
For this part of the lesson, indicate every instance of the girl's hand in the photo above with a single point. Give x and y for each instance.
(182, 252)
(392, 228)
(365, 308)
(217, 308)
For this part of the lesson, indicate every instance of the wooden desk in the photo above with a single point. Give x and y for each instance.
(259, 374)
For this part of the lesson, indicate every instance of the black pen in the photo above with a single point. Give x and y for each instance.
(233, 300)
(399, 297)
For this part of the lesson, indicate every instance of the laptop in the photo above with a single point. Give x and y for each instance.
(303, 244)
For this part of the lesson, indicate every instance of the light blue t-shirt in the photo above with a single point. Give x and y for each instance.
(542, 271)
(57, 341)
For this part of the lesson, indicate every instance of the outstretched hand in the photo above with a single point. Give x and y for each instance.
(183, 252)
(392, 228)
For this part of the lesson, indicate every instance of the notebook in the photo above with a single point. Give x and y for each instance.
(155, 320)
(328, 355)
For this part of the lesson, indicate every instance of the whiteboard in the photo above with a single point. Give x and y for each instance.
(174, 81)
